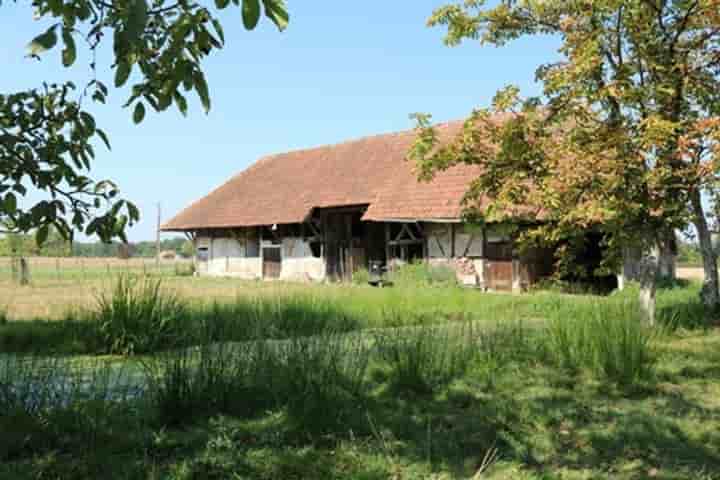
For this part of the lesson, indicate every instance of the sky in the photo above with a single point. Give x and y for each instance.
(341, 70)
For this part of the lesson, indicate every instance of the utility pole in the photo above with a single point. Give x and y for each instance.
(157, 238)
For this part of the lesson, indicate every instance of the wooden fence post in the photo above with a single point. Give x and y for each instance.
(24, 271)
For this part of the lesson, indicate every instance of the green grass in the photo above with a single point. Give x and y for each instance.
(364, 383)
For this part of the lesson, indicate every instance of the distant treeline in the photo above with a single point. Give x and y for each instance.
(56, 246)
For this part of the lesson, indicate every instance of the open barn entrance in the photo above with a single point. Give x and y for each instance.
(345, 240)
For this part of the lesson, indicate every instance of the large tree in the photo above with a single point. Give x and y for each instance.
(623, 139)
(47, 135)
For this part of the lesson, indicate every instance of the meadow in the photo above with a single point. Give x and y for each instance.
(170, 376)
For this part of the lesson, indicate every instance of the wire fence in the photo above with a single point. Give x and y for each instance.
(87, 268)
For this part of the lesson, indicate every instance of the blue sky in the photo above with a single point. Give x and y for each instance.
(342, 70)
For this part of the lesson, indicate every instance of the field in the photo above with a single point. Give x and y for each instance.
(170, 376)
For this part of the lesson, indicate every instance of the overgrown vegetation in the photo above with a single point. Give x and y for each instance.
(422, 274)
(302, 386)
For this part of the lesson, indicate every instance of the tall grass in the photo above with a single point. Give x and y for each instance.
(422, 274)
(138, 316)
(45, 401)
(426, 358)
(317, 380)
(606, 337)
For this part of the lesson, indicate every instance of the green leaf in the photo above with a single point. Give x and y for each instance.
(69, 53)
(276, 11)
(10, 203)
(43, 42)
(122, 73)
(181, 103)
(89, 122)
(136, 20)
(251, 13)
(139, 113)
(219, 30)
(133, 212)
(103, 136)
(202, 89)
(222, 3)
(42, 234)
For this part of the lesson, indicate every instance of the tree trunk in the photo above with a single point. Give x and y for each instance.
(710, 293)
(648, 287)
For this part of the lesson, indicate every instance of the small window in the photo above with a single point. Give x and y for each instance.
(202, 254)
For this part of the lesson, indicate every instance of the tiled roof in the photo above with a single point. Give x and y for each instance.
(372, 171)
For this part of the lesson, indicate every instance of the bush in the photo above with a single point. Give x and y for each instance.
(138, 316)
(361, 276)
(420, 274)
(607, 338)
(424, 359)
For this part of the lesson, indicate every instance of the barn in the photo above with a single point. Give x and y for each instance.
(322, 213)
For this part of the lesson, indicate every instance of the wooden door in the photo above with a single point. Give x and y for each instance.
(272, 262)
(499, 275)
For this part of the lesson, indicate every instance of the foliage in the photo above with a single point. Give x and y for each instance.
(55, 245)
(624, 138)
(47, 137)
(689, 254)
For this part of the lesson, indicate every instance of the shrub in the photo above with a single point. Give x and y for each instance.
(421, 274)
(138, 316)
(361, 276)
(424, 359)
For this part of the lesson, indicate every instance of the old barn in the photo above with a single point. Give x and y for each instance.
(322, 213)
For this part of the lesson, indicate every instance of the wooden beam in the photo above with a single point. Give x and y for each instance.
(405, 242)
(452, 240)
(388, 249)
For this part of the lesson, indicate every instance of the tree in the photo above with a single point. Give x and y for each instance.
(623, 139)
(47, 135)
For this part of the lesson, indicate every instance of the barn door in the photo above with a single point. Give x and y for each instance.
(499, 275)
(272, 262)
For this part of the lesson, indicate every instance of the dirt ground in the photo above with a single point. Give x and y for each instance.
(690, 273)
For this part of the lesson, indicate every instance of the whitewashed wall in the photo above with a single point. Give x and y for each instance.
(439, 240)
(468, 241)
(298, 262)
(226, 257)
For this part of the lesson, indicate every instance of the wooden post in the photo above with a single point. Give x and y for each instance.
(452, 240)
(24, 271)
(348, 222)
(388, 249)
(157, 239)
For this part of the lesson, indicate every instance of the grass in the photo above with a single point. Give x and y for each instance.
(356, 382)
